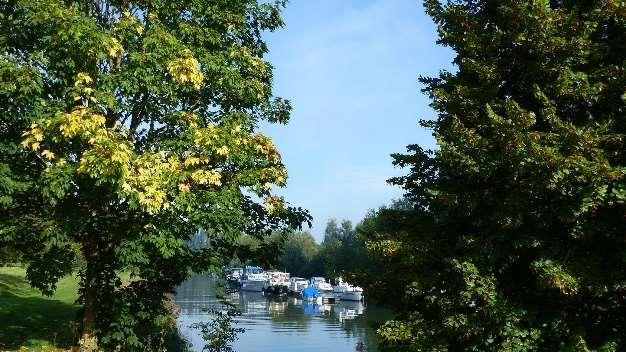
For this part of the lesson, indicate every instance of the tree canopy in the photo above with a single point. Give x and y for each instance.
(516, 237)
(127, 126)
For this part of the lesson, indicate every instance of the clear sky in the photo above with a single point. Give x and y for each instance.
(350, 68)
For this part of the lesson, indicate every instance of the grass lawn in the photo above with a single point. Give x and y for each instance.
(29, 319)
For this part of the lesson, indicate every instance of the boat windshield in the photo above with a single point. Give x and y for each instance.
(253, 270)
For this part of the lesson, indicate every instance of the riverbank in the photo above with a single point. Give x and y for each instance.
(30, 321)
(33, 321)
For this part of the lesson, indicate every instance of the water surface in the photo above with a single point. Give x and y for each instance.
(281, 325)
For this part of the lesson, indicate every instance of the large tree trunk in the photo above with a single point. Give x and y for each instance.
(88, 341)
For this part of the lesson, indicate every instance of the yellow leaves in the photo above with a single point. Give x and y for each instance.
(203, 137)
(114, 48)
(80, 121)
(223, 150)
(32, 138)
(128, 20)
(265, 145)
(106, 160)
(385, 247)
(195, 160)
(37, 134)
(189, 118)
(82, 79)
(183, 187)
(148, 179)
(207, 177)
(47, 154)
(186, 70)
(192, 161)
(152, 199)
(274, 204)
(276, 175)
(553, 275)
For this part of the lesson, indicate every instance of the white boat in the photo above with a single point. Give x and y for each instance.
(278, 278)
(346, 292)
(277, 283)
(321, 285)
(297, 284)
(233, 275)
(253, 279)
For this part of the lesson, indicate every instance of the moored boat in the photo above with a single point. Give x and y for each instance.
(324, 288)
(253, 279)
(346, 292)
(277, 283)
(233, 276)
(296, 285)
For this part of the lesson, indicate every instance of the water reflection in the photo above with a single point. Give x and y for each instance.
(281, 325)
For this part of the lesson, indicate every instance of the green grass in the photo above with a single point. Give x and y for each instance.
(29, 319)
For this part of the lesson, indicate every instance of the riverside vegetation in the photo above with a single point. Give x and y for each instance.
(510, 236)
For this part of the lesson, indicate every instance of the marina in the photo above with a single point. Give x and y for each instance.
(281, 324)
(278, 283)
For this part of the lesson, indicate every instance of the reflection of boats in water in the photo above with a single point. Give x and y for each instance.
(347, 314)
(349, 310)
(273, 324)
(277, 306)
(253, 303)
(313, 308)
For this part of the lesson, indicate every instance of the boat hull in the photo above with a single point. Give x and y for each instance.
(252, 286)
(351, 296)
(276, 290)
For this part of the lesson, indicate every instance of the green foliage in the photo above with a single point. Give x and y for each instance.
(220, 333)
(342, 253)
(299, 256)
(515, 236)
(127, 126)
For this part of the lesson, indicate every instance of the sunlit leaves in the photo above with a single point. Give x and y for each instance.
(186, 70)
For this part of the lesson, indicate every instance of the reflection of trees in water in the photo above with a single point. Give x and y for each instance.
(288, 314)
(359, 322)
(196, 295)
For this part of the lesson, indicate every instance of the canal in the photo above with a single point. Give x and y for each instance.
(281, 325)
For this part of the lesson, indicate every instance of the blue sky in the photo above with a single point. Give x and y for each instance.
(350, 68)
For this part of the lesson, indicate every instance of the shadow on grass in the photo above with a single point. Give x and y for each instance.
(35, 321)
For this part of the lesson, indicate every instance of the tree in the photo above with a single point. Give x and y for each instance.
(380, 254)
(127, 126)
(299, 253)
(342, 253)
(343, 232)
(517, 232)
